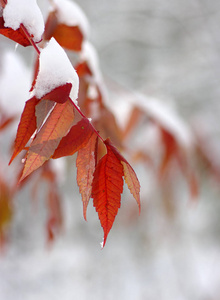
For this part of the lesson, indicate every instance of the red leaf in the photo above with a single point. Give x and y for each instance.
(82, 69)
(76, 138)
(129, 174)
(17, 36)
(26, 127)
(59, 94)
(85, 164)
(106, 190)
(49, 136)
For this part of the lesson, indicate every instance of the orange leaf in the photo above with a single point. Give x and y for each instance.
(49, 136)
(129, 174)
(106, 190)
(17, 36)
(82, 69)
(26, 127)
(76, 138)
(85, 164)
(132, 182)
(69, 37)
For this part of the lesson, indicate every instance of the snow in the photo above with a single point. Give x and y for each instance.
(166, 116)
(92, 92)
(69, 13)
(59, 167)
(89, 54)
(15, 80)
(102, 244)
(55, 70)
(26, 12)
(121, 108)
(143, 260)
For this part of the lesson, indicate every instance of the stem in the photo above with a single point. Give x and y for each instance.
(38, 52)
(30, 39)
(82, 114)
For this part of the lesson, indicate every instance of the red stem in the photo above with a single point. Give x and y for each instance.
(82, 114)
(30, 39)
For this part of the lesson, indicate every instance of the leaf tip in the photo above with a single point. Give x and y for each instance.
(102, 244)
(84, 214)
(12, 158)
(139, 206)
(10, 161)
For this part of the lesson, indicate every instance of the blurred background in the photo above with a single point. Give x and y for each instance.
(164, 52)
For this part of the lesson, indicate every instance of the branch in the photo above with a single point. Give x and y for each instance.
(30, 39)
(82, 114)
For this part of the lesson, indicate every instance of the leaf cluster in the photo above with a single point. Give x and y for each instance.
(53, 123)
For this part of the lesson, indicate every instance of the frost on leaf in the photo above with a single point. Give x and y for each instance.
(85, 164)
